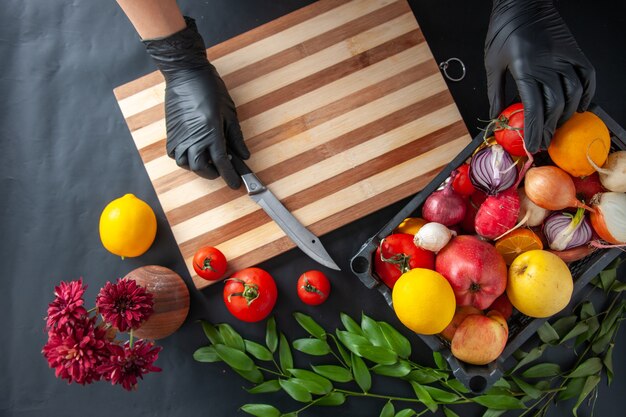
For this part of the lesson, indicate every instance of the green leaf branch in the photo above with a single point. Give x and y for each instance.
(358, 353)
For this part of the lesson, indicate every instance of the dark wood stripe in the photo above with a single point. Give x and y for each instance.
(273, 27)
(152, 151)
(144, 118)
(305, 197)
(319, 153)
(316, 44)
(330, 74)
(314, 118)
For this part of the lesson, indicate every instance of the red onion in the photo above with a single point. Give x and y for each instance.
(564, 231)
(445, 206)
(492, 170)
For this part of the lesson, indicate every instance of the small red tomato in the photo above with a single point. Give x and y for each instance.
(209, 263)
(313, 288)
(250, 294)
(397, 254)
(509, 129)
(461, 182)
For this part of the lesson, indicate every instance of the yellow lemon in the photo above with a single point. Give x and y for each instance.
(540, 283)
(423, 301)
(410, 225)
(127, 226)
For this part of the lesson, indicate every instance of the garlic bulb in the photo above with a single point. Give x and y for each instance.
(433, 236)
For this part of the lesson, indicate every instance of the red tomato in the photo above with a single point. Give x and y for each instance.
(250, 294)
(509, 129)
(313, 288)
(399, 254)
(461, 182)
(209, 263)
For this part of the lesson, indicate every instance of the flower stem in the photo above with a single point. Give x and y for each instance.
(131, 341)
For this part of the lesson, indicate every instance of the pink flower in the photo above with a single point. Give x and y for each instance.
(67, 307)
(76, 350)
(126, 363)
(124, 304)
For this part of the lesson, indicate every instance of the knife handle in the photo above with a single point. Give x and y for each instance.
(240, 166)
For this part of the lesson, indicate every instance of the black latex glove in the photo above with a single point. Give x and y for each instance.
(200, 116)
(553, 77)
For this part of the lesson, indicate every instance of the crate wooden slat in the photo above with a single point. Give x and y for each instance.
(344, 109)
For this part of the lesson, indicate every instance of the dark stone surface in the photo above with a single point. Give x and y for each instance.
(66, 152)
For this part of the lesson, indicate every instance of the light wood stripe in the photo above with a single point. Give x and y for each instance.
(343, 108)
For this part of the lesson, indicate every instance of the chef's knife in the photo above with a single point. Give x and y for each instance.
(307, 241)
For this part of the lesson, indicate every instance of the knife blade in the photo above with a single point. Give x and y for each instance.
(300, 235)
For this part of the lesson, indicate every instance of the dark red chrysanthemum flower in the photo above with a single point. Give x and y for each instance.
(126, 363)
(75, 351)
(67, 306)
(124, 304)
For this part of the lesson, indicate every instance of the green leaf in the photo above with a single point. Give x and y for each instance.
(607, 277)
(587, 310)
(425, 376)
(502, 383)
(580, 328)
(618, 286)
(295, 391)
(315, 347)
(547, 334)
(333, 372)
(542, 370)
(351, 325)
(499, 402)
(457, 385)
(440, 395)
(407, 412)
(211, 332)
(373, 332)
(498, 391)
(590, 384)
(352, 341)
(284, 354)
(531, 356)
(265, 387)
(254, 375)
(602, 342)
(440, 361)
(258, 351)
(376, 354)
(345, 355)
(206, 354)
(292, 414)
(573, 388)
(361, 373)
(235, 358)
(490, 412)
(424, 396)
(607, 361)
(310, 325)
(271, 337)
(449, 413)
(591, 366)
(528, 389)
(303, 374)
(563, 325)
(311, 386)
(611, 318)
(332, 399)
(388, 410)
(261, 410)
(231, 337)
(395, 340)
(398, 370)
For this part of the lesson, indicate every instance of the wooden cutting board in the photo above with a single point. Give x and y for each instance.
(343, 108)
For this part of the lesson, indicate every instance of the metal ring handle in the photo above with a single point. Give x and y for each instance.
(444, 68)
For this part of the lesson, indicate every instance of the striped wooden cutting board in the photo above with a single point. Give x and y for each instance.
(343, 108)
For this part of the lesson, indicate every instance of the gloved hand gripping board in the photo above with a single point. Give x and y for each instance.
(343, 108)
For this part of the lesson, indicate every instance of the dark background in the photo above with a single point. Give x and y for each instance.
(66, 152)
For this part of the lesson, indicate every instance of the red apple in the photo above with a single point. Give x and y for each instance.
(503, 305)
(588, 186)
(480, 339)
(475, 270)
(460, 315)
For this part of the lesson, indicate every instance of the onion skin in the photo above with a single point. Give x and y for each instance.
(574, 254)
(551, 188)
(530, 213)
(562, 231)
(610, 229)
(445, 206)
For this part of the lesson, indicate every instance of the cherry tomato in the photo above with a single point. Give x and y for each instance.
(509, 129)
(209, 263)
(461, 182)
(250, 294)
(399, 254)
(313, 288)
